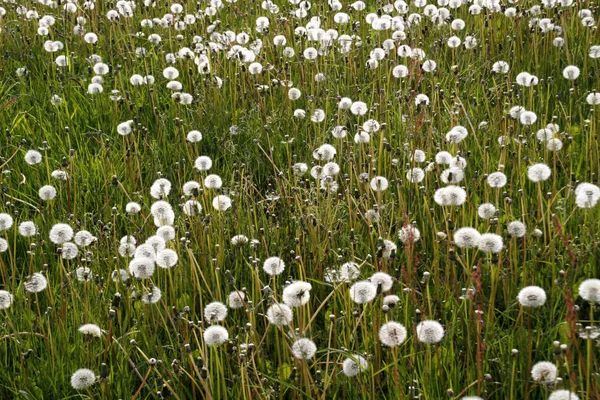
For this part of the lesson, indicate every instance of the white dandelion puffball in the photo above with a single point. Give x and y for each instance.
(486, 210)
(392, 334)
(354, 365)
(47, 192)
(589, 290)
(6, 222)
(36, 283)
(450, 196)
(203, 163)
(3, 245)
(6, 299)
(61, 233)
(141, 267)
(544, 372)
(279, 314)
(91, 330)
(563, 394)
(363, 292)
(236, 299)
(215, 335)
(304, 349)
(497, 179)
(379, 184)
(33, 157)
(166, 258)
(466, 237)
(215, 311)
(409, 234)
(297, 293)
(430, 332)
(27, 228)
(571, 72)
(84, 238)
(516, 229)
(532, 296)
(538, 172)
(273, 266)
(82, 379)
(490, 243)
(221, 203)
(382, 281)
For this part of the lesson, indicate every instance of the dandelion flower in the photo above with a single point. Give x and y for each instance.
(141, 267)
(589, 290)
(409, 233)
(6, 299)
(215, 335)
(273, 266)
(486, 210)
(516, 229)
(532, 296)
(297, 294)
(27, 229)
(6, 222)
(392, 334)
(215, 311)
(571, 72)
(47, 192)
(538, 172)
(33, 157)
(490, 243)
(236, 299)
(279, 314)
(304, 349)
(363, 292)
(382, 280)
(221, 203)
(563, 394)
(430, 332)
(497, 179)
(61, 233)
(90, 330)
(166, 258)
(355, 365)
(36, 283)
(82, 379)
(544, 372)
(466, 237)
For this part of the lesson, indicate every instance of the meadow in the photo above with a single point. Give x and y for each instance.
(247, 199)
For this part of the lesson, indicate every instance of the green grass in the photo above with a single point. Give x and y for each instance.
(290, 216)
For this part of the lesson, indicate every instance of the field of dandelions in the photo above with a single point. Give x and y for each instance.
(294, 199)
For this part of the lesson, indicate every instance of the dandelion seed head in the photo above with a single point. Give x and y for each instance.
(430, 332)
(90, 330)
(215, 335)
(363, 292)
(354, 366)
(304, 349)
(279, 314)
(589, 290)
(392, 334)
(544, 372)
(297, 293)
(36, 283)
(60, 233)
(532, 296)
(6, 299)
(273, 266)
(466, 238)
(563, 394)
(215, 311)
(151, 296)
(82, 379)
